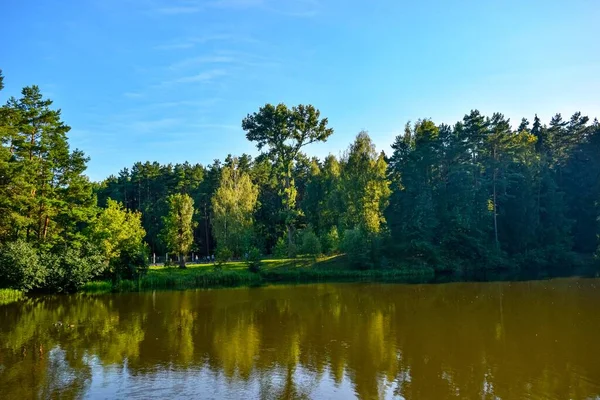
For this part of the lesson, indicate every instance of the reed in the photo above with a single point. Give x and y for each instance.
(10, 295)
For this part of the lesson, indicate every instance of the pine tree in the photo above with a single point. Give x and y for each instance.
(50, 195)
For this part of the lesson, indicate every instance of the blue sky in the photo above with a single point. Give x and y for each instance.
(171, 80)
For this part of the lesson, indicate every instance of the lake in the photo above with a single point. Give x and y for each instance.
(495, 340)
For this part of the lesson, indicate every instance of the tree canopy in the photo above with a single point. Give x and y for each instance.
(233, 204)
(178, 224)
(480, 194)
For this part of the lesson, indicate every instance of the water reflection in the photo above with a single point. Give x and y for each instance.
(501, 340)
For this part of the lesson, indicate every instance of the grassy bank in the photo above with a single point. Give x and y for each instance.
(10, 295)
(297, 270)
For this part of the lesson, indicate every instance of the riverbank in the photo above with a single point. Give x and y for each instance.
(298, 270)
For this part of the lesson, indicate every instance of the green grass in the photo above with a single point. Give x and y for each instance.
(298, 270)
(10, 295)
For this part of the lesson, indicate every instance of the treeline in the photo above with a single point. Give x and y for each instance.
(478, 194)
(53, 236)
(475, 195)
(482, 194)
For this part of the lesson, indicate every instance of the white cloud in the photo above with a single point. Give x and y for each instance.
(132, 95)
(188, 62)
(185, 103)
(291, 8)
(232, 127)
(205, 76)
(189, 42)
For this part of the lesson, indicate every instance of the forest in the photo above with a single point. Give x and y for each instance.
(481, 194)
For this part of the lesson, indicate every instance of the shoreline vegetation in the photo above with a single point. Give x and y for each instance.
(236, 274)
(485, 195)
(300, 270)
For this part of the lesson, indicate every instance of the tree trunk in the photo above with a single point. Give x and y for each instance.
(182, 261)
(206, 230)
(495, 214)
(290, 234)
(495, 204)
(45, 232)
(288, 207)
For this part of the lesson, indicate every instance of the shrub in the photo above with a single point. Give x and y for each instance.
(284, 249)
(131, 264)
(168, 263)
(20, 266)
(253, 260)
(70, 268)
(356, 246)
(330, 242)
(281, 249)
(292, 250)
(310, 243)
(223, 255)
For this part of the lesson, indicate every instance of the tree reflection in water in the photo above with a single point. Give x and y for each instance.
(457, 340)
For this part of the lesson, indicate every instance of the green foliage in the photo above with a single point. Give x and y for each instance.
(70, 268)
(472, 196)
(322, 197)
(10, 296)
(310, 244)
(292, 249)
(330, 241)
(169, 263)
(355, 244)
(20, 266)
(223, 255)
(59, 270)
(45, 195)
(253, 260)
(178, 227)
(281, 248)
(233, 206)
(365, 187)
(132, 263)
(481, 196)
(119, 234)
(144, 187)
(284, 132)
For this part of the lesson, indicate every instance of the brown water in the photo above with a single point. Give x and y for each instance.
(523, 340)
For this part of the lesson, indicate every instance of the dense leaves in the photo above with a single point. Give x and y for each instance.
(178, 225)
(20, 266)
(476, 195)
(119, 234)
(285, 132)
(233, 206)
(480, 195)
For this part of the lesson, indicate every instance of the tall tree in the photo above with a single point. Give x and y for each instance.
(285, 132)
(178, 230)
(269, 217)
(365, 187)
(50, 195)
(233, 206)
